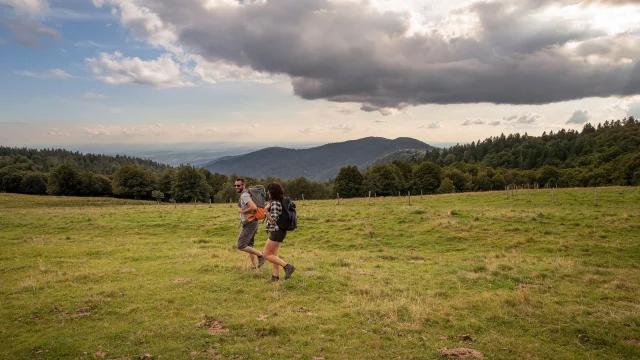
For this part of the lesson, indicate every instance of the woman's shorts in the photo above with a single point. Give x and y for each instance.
(277, 236)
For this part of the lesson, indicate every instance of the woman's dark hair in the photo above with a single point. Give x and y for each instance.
(276, 191)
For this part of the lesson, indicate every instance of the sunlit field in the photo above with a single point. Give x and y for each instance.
(518, 278)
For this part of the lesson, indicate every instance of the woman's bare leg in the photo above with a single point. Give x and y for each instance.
(270, 253)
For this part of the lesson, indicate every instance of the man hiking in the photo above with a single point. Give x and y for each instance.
(246, 206)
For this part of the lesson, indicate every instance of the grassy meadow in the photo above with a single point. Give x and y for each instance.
(93, 278)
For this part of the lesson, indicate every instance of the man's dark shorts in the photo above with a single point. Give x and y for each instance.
(277, 236)
(247, 235)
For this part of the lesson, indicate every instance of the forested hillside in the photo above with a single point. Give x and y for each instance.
(591, 147)
(44, 160)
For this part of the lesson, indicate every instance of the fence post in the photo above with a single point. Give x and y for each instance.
(420, 194)
(369, 197)
(409, 194)
(338, 197)
(553, 195)
(302, 197)
(595, 197)
(516, 192)
(529, 193)
(229, 202)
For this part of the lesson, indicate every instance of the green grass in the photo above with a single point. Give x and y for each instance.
(387, 280)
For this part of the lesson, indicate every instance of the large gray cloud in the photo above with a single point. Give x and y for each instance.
(348, 52)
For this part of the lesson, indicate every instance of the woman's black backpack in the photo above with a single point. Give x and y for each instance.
(288, 220)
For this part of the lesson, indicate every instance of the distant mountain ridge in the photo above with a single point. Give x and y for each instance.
(317, 163)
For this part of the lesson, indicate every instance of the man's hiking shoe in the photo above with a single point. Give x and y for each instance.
(288, 270)
(273, 279)
(260, 261)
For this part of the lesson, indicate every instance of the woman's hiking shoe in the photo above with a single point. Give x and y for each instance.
(273, 279)
(260, 261)
(288, 270)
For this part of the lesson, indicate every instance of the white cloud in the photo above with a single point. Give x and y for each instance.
(343, 127)
(128, 132)
(579, 117)
(528, 118)
(494, 122)
(114, 68)
(147, 25)
(97, 131)
(214, 72)
(629, 106)
(54, 73)
(98, 3)
(212, 4)
(90, 95)
(57, 133)
(384, 111)
(310, 130)
(468, 122)
(433, 125)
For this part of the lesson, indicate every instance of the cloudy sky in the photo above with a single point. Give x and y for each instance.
(286, 71)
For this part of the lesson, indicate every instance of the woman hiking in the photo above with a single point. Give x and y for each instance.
(273, 210)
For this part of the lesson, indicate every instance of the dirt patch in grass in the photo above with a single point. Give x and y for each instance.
(465, 338)
(461, 353)
(84, 312)
(182, 280)
(634, 342)
(214, 326)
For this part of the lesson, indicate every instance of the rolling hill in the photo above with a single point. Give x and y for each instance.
(317, 163)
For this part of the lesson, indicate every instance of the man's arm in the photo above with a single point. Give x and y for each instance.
(252, 208)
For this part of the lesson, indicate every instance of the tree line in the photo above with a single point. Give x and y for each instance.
(608, 154)
(184, 183)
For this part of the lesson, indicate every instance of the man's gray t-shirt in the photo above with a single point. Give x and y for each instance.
(243, 204)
